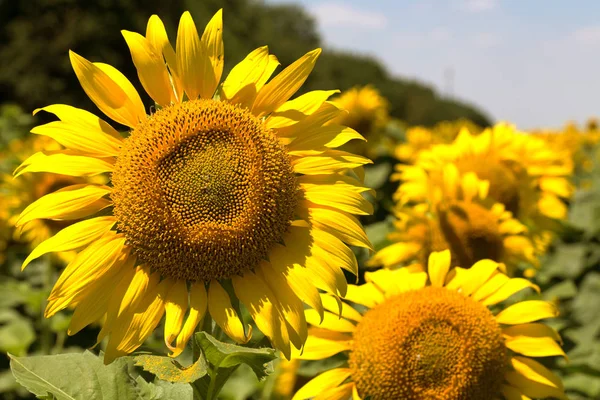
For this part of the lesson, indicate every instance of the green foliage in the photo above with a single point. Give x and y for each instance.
(170, 370)
(84, 376)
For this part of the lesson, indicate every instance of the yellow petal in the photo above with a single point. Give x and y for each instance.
(491, 286)
(212, 46)
(85, 138)
(333, 250)
(327, 380)
(223, 313)
(367, 295)
(322, 344)
(340, 308)
(508, 289)
(281, 88)
(339, 393)
(438, 266)
(157, 36)
(198, 304)
(526, 311)
(533, 340)
(71, 202)
(330, 136)
(64, 164)
(109, 90)
(296, 110)
(313, 123)
(479, 273)
(176, 304)
(150, 67)
(345, 226)
(533, 330)
(532, 388)
(512, 393)
(191, 60)
(289, 304)
(535, 371)
(132, 329)
(330, 321)
(340, 198)
(240, 85)
(73, 237)
(395, 254)
(260, 301)
(104, 256)
(84, 121)
(328, 162)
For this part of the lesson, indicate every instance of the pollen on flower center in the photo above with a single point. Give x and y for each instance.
(472, 232)
(202, 190)
(432, 344)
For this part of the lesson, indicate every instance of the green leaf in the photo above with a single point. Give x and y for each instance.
(161, 390)
(75, 376)
(584, 306)
(225, 355)
(16, 332)
(170, 370)
(567, 261)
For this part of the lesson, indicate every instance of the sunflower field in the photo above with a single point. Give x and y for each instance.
(200, 201)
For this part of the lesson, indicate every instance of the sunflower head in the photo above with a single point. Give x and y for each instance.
(434, 335)
(367, 109)
(229, 183)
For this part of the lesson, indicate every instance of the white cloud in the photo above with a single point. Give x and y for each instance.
(415, 40)
(476, 6)
(342, 15)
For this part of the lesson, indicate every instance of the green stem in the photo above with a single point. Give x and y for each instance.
(45, 327)
(211, 386)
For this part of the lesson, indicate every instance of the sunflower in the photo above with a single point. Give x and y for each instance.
(460, 217)
(227, 189)
(368, 113)
(527, 176)
(419, 138)
(430, 335)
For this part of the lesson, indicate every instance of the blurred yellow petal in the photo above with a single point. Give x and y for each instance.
(512, 393)
(340, 308)
(509, 288)
(71, 202)
(532, 388)
(438, 266)
(283, 86)
(535, 371)
(327, 380)
(198, 305)
(367, 295)
(176, 304)
(151, 68)
(73, 237)
(339, 393)
(331, 321)
(526, 311)
(109, 90)
(223, 313)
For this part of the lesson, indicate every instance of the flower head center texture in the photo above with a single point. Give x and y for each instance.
(431, 343)
(202, 190)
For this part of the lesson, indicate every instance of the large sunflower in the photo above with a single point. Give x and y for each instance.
(523, 172)
(432, 336)
(227, 189)
(461, 217)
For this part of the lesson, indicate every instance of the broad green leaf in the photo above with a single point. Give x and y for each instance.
(75, 377)
(16, 332)
(225, 355)
(161, 390)
(167, 369)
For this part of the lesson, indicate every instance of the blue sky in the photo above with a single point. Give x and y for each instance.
(535, 63)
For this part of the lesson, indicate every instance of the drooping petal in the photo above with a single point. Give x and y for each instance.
(151, 67)
(532, 388)
(344, 310)
(71, 202)
(198, 305)
(395, 254)
(223, 313)
(438, 266)
(176, 304)
(527, 311)
(73, 237)
(281, 88)
(328, 162)
(109, 90)
(533, 340)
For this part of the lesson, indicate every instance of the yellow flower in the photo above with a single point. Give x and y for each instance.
(419, 138)
(203, 192)
(524, 174)
(430, 335)
(460, 217)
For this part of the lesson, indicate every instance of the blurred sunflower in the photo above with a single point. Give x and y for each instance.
(432, 336)
(19, 193)
(461, 218)
(367, 114)
(204, 191)
(419, 138)
(527, 176)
